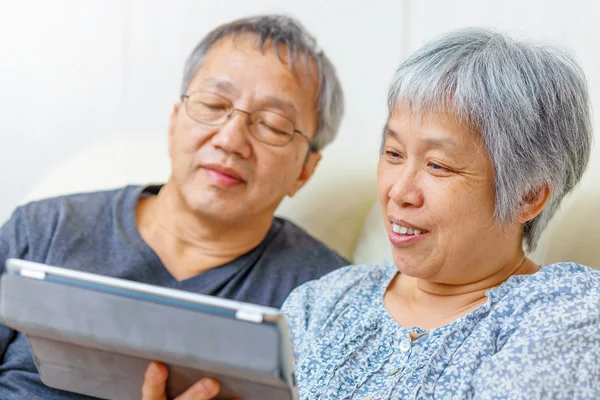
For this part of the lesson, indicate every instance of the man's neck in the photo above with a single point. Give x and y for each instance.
(189, 244)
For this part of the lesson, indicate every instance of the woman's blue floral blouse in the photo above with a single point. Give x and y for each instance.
(537, 337)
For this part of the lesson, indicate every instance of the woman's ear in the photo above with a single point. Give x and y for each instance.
(533, 203)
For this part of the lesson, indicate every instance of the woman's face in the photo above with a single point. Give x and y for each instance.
(436, 187)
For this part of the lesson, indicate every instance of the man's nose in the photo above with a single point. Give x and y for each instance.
(232, 136)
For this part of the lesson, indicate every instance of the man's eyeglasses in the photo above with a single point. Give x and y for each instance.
(266, 126)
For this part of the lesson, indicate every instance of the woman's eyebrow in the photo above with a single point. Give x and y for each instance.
(389, 132)
(445, 144)
(440, 143)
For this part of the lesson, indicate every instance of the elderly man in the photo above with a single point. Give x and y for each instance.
(259, 101)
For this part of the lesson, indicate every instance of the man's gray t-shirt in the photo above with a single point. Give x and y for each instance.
(97, 233)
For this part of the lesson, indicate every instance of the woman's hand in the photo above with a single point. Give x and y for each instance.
(155, 386)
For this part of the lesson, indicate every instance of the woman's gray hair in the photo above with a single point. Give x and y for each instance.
(528, 101)
(277, 30)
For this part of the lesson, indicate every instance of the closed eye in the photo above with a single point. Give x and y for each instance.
(274, 130)
(215, 107)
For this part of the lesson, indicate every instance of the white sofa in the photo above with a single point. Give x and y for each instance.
(338, 205)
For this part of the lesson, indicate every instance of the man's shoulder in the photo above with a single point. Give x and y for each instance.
(295, 244)
(48, 230)
(84, 205)
(81, 213)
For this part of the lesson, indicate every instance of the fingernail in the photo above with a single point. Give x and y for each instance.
(153, 370)
(208, 386)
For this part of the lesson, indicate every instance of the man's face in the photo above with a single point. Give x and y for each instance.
(223, 172)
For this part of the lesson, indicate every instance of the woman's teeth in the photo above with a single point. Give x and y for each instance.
(403, 230)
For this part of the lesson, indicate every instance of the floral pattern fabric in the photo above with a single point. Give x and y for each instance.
(536, 337)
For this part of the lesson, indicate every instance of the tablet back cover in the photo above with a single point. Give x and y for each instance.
(99, 344)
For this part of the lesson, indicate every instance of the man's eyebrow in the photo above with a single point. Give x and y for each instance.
(220, 84)
(283, 105)
(226, 86)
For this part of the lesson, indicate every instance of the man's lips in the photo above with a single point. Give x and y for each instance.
(223, 176)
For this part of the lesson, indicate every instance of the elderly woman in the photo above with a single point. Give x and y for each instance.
(485, 137)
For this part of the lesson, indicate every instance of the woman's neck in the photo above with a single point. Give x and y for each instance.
(419, 302)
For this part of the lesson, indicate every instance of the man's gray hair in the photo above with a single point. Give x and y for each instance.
(277, 30)
(528, 101)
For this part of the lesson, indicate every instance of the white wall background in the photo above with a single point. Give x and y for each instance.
(74, 72)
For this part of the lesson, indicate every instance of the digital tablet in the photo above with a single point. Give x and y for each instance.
(95, 335)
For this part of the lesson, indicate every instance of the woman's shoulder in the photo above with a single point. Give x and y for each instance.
(562, 270)
(565, 278)
(558, 298)
(553, 280)
(356, 273)
(547, 334)
(353, 277)
(354, 284)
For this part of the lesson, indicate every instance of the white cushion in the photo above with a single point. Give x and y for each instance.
(334, 203)
(373, 243)
(112, 163)
(574, 234)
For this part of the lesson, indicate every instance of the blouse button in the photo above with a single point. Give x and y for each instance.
(405, 345)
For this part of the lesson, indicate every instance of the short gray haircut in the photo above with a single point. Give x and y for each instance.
(277, 30)
(528, 101)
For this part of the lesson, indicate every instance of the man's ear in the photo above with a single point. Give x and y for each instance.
(533, 203)
(172, 125)
(173, 118)
(307, 170)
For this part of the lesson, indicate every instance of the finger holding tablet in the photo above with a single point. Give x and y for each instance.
(155, 385)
